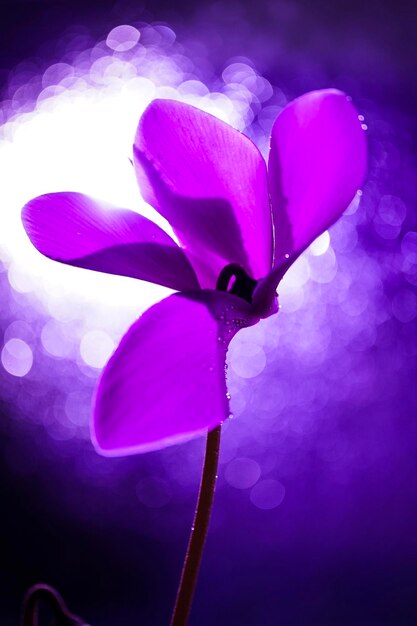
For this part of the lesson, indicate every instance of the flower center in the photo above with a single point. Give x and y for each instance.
(242, 286)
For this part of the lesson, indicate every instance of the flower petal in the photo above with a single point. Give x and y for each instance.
(210, 182)
(75, 229)
(317, 163)
(166, 383)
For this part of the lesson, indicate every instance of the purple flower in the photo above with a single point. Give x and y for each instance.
(239, 227)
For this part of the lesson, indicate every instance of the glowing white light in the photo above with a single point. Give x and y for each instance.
(323, 268)
(17, 357)
(320, 245)
(56, 338)
(291, 290)
(79, 137)
(96, 347)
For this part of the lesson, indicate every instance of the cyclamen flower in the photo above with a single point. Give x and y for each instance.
(239, 227)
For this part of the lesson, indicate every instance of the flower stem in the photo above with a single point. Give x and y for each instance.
(198, 531)
(45, 593)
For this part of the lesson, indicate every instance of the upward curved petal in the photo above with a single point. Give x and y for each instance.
(317, 163)
(209, 181)
(75, 229)
(166, 381)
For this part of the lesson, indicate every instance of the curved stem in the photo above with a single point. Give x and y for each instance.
(39, 593)
(198, 531)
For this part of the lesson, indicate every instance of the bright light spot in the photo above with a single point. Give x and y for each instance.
(246, 359)
(323, 268)
(291, 290)
(21, 330)
(237, 402)
(320, 245)
(19, 278)
(79, 137)
(17, 357)
(78, 408)
(389, 217)
(96, 347)
(123, 38)
(354, 205)
(56, 338)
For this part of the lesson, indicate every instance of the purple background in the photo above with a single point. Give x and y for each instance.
(337, 430)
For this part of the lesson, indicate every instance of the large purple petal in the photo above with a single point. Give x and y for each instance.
(75, 229)
(210, 182)
(166, 381)
(317, 163)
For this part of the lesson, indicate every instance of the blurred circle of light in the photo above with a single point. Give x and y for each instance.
(267, 494)
(247, 359)
(56, 339)
(21, 330)
(320, 245)
(323, 268)
(77, 408)
(389, 217)
(409, 246)
(17, 357)
(409, 256)
(242, 473)
(96, 347)
(78, 136)
(404, 305)
(123, 38)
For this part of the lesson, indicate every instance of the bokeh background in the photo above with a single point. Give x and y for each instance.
(316, 508)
